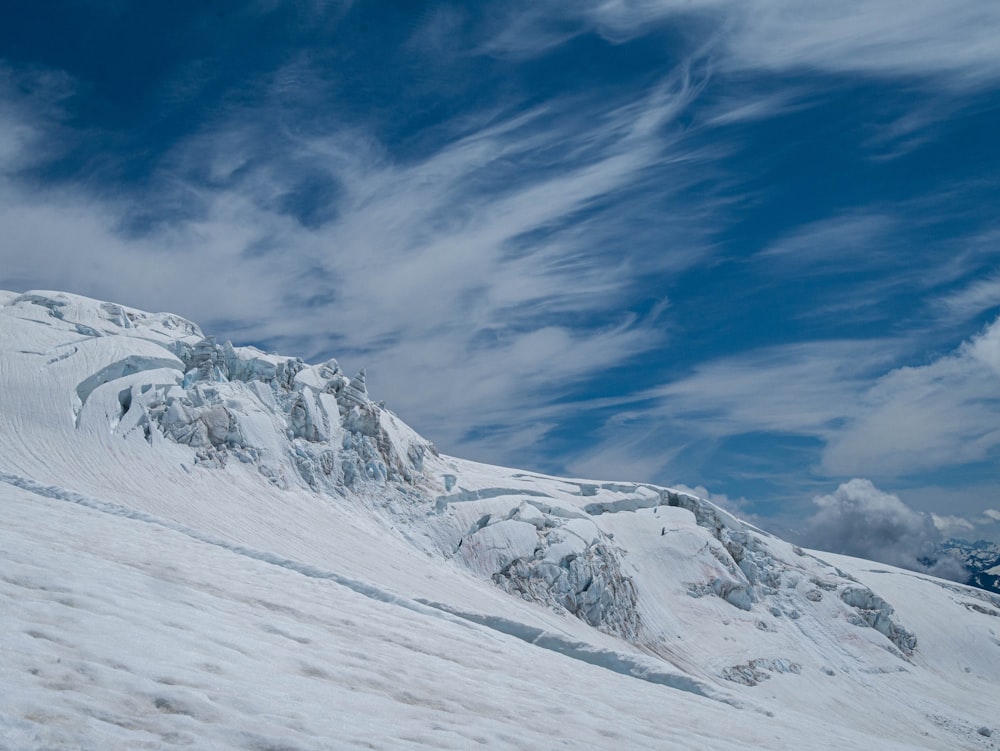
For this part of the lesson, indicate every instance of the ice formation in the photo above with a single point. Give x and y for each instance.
(290, 478)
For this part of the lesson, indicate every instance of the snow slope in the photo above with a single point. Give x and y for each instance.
(211, 546)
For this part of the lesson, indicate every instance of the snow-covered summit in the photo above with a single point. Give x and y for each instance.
(111, 413)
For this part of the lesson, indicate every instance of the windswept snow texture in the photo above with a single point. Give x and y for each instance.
(210, 546)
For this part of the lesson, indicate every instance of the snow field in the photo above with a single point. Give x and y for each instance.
(193, 578)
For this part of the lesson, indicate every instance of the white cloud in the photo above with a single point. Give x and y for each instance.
(799, 388)
(15, 139)
(528, 30)
(953, 526)
(889, 37)
(921, 38)
(860, 520)
(748, 108)
(671, 432)
(909, 131)
(459, 279)
(992, 514)
(867, 416)
(843, 243)
(623, 452)
(924, 417)
(30, 98)
(976, 297)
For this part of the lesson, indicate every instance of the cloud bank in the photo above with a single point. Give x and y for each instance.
(860, 520)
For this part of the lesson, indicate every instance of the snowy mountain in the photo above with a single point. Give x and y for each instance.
(210, 546)
(981, 559)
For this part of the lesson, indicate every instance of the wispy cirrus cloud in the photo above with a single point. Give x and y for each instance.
(674, 431)
(920, 418)
(798, 388)
(844, 244)
(480, 263)
(738, 109)
(978, 296)
(868, 418)
(916, 38)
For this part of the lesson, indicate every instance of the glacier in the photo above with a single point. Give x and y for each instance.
(213, 546)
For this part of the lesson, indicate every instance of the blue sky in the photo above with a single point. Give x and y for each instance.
(750, 246)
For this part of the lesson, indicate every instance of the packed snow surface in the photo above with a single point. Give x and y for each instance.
(214, 547)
